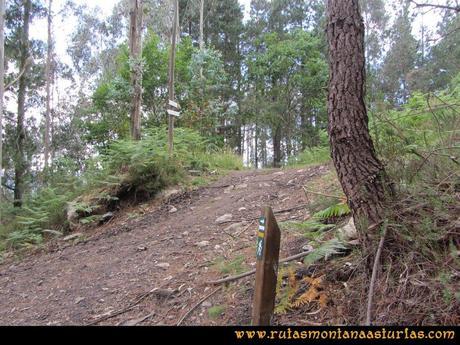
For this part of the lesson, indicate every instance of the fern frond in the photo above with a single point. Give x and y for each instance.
(331, 247)
(337, 210)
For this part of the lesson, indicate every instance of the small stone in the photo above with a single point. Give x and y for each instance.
(185, 233)
(241, 186)
(242, 209)
(217, 247)
(79, 299)
(163, 265)
(172, 209)
(307, 248)
(72, 236)
(141, 248)
(206, 304)
(233, 227)
(202, 244)
(106, 217)
(225, 218)
(228, 189)
(348, 232)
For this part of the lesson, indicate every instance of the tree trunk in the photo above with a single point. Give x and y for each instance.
(201, 24)
(361, 174)
(172, 62)
(277, 147)
(135, 49)
(256, 144)
(20, 167)
(2, 88)
(48, 86)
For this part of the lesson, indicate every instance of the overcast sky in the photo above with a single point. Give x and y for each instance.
(62, 30)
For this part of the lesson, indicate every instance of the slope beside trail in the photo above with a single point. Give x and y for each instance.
(151, 267)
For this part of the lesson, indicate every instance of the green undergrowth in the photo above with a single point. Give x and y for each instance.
(312, 155)
(232, 266)
(126, 171)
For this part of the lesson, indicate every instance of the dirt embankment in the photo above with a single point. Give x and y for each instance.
(150, 266)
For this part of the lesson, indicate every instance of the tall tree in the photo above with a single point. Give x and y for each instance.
(2, 87)
(401, 58)
(20, 167)
(360, 172)
(48, 73)
(135, 49)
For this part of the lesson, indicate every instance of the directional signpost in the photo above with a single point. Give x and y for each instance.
(173, 107)
(267, 254)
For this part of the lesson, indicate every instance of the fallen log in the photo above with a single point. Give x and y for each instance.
(248, 273)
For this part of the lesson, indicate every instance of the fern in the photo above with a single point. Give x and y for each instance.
(331, 247)
(285, 295)
(337, 210)
(313, 293)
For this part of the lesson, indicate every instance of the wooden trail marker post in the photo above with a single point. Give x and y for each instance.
(267, 253)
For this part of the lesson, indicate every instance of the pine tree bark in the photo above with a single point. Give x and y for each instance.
(135, 48)
(2, 88)
(360, 172)
(20, 164)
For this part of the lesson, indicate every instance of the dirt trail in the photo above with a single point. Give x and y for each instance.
(114, 269)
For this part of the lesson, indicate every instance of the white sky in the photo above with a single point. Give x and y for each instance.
(63, 29)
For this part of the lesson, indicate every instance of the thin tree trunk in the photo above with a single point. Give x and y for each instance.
(48, 86)
(361, 174)
(172, 61)
(277, 147)
(201, 24)
(264, 148)
(135, 49)
(256, 154)
(20, 164)
(2, 89)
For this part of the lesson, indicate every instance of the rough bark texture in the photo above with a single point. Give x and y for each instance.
(135, 48)
(20, 164)
(2, 90)
(360, 172)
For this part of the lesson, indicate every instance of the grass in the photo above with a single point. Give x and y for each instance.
(310, 156)
(216, 311)
(233, 266)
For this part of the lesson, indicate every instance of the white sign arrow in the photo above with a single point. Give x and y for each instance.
(174, 104)
(173, 113)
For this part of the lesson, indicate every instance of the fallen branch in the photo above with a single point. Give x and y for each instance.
(290, 209)
(248, 273)
(295, 208)
(197, 305)
(373, 278)
(124, 310)
(137, 321)
(321, 194)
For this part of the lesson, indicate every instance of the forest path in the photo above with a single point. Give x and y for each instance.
(115, 268)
